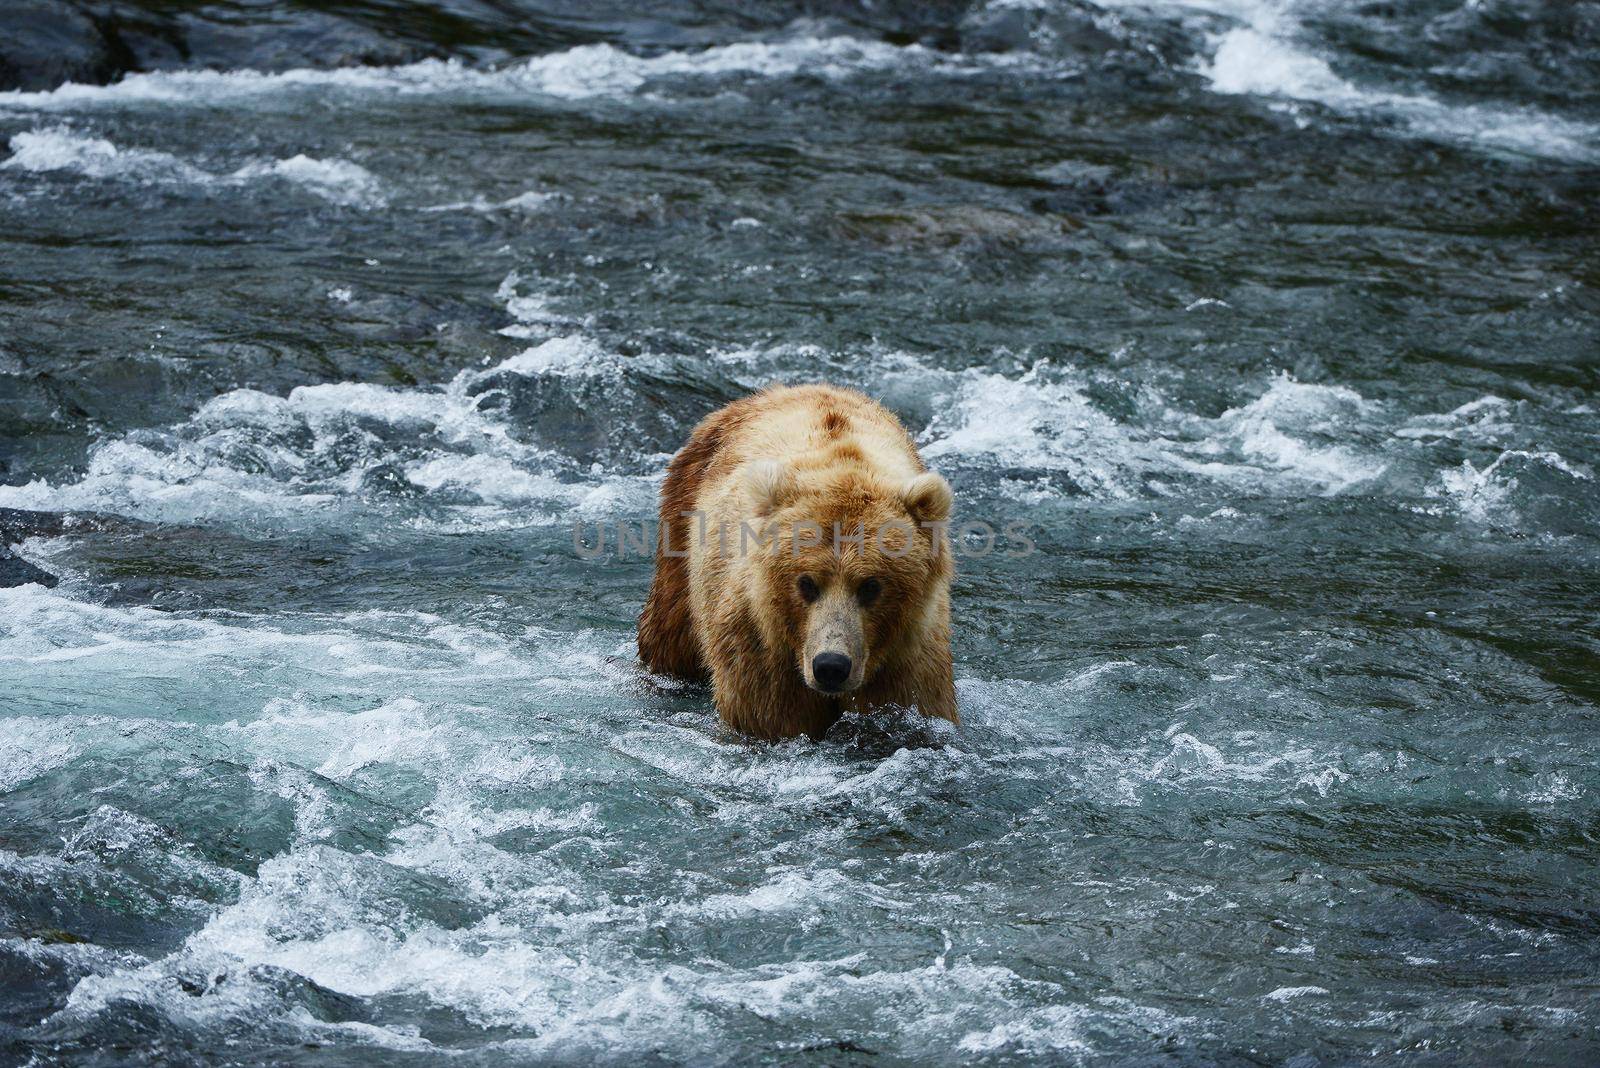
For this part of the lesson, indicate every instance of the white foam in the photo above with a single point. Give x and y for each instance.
(1035, 423)
(1192, 756)
(1262, 58)
(584, 72)
(531, 201)
(1264, 54)
(1259, 56)
(582, 988)
(1052, 1029)
(41, 630)
(1289, 993)
(307, 457)
(337, 180)
(1292, 438)
(62, 149)
(302, 457)
(1200, 765)
(1247, 61)
(562, 356)
(498, 481)
(1485, 419)
(71, 957)
(1551, 788)
(534, 315)
(1279, 432)
(1489, 495)
(1284, 441)
(795, 891)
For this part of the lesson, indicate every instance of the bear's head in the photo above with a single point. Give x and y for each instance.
(852, 566)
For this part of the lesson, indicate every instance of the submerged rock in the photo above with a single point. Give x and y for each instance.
(17, 524)
(15, 571)
(953, 226)
(1061, 29)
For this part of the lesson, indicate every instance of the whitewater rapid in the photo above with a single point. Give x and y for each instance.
(1252, 47)
(330, 743)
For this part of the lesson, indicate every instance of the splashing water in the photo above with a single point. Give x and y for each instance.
(1272, 323)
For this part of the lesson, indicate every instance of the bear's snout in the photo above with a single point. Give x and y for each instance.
(835, 650)
(831, 670)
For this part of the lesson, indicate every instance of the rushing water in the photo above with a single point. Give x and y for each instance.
(1277, 321)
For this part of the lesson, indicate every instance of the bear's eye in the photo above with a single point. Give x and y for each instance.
(808, 588)
(868, 591)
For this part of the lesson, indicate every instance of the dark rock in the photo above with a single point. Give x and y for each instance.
(295, 38)
(19, 524)
(1082, 190)
(933, 23)
(390, 480)
(46, 42)
(15, 571)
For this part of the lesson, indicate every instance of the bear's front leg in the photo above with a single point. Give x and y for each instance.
(761, 693)
(921, 678)
(761, 700)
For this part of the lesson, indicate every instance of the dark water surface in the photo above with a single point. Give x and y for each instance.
(1278, 321)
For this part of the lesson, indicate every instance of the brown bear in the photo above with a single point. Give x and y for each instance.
(803, 564)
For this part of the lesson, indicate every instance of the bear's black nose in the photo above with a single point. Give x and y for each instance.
(832, 670)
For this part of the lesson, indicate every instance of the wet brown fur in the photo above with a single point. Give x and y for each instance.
(738, 619)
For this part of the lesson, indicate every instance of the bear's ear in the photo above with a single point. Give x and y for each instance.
(927, 497)
(769, 483)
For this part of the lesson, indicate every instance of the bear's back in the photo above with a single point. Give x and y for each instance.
(814, 427)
